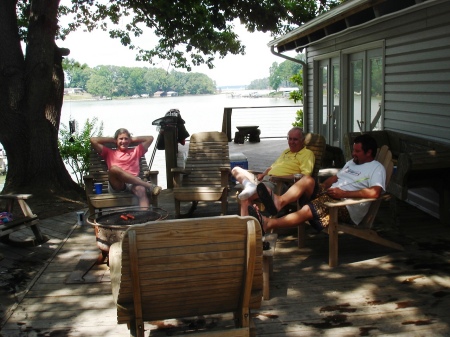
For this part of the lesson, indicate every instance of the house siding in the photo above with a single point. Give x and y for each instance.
(417, 68)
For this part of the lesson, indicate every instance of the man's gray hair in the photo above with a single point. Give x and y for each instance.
(296, 128)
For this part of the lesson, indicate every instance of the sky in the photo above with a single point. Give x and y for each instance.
(96, 48)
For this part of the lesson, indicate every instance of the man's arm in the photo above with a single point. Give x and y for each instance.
(329, 181)
(262, 175)
(145, 140)
(97, 142)
(370, 192)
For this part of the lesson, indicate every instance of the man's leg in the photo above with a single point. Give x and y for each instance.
(290, 220)
(247, 202)
(247, 179)
(303, 187)
(241, 174)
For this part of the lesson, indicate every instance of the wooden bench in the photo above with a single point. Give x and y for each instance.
(98, 173)
(28, 220)
(188, 267)
(419, 162)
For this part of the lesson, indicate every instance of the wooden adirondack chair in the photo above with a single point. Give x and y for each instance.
(364, 229)
(205, 177)
(98, 173)
(188, 267)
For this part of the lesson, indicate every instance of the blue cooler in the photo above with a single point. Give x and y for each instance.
(238, 159)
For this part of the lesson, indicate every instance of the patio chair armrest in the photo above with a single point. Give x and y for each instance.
(88, 183)
(151, 176)
(352, 201)
(179, 170)
(177, 173)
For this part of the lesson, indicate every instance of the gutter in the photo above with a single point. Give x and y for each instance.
(304, 68)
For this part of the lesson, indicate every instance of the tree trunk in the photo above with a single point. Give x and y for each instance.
(31, 96)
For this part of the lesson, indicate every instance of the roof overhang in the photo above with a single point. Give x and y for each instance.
(349, 14)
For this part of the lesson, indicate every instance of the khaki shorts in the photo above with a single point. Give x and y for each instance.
(269, 184)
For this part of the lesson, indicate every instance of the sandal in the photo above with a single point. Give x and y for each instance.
(252, 211)
(266, 197)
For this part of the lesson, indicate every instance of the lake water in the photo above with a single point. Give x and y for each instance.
(201, 113)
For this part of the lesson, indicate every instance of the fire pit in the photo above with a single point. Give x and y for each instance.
(110, 226)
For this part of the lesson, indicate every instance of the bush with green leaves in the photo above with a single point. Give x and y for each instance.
(297, 96)
(74, 146)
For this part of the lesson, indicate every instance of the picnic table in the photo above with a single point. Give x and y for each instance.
(247, 132)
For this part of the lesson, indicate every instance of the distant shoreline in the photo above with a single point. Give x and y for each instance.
(89, 97)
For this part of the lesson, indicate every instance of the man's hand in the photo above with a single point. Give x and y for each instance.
(335, 193)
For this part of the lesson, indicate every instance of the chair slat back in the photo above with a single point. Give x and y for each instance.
(317, 144)
(188, 267)
(208, 151)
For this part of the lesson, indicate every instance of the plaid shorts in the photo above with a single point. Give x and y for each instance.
(321, 213)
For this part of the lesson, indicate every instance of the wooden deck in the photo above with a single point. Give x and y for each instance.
(375, 291)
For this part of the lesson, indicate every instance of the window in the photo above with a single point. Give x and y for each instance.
(328, 99)
(348, 94)
(365, 90)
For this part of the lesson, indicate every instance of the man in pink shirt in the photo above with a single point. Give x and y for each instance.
(123, 164)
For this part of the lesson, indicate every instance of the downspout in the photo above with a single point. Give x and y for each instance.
(304, 68)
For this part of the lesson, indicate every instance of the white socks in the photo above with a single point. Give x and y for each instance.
(249, 190)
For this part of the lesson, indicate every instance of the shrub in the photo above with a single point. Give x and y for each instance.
(74, 146)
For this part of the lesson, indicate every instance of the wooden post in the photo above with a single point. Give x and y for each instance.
(226, 122)
(171, 147)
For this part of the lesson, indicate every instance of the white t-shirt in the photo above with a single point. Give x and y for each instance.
(354, 177)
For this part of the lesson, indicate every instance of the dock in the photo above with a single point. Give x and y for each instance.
(375, 291)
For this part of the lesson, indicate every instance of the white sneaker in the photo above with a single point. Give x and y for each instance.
(248, 191)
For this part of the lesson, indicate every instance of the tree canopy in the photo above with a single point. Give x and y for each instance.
(189, 32)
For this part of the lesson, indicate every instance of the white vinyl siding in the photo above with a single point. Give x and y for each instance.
(416, 58)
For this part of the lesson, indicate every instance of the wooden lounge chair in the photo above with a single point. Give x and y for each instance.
(188, 267)
(364, 229)
(98, 173)
(205, 177)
